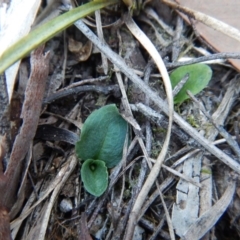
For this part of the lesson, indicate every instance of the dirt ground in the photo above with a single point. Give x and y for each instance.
(196, 190)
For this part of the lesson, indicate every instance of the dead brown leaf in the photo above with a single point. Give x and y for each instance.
(84, 229)
(30, 114)
(81, 51)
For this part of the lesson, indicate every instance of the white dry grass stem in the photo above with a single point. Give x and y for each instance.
(148, 45)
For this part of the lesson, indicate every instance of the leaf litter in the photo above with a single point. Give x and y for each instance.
(190, 209)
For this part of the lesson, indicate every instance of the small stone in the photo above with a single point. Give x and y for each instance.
(66, 205)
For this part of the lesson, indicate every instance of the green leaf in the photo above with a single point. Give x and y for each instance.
(199, 77)
(103, 135)
(94, 176)
(47, 30)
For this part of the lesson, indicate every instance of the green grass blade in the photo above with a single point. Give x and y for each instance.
(47, 30)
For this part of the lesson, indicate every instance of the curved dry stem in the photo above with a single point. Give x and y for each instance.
(144, 40)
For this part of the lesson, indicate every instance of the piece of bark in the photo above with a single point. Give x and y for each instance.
(185, 210)
(84, 235)
(205, 222)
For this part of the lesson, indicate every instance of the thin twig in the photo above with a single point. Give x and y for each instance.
(87, 88)
(215, 56)
(82, 82)
(185, 177)
(169, 221)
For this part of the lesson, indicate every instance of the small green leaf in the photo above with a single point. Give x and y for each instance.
(199, 77)
(103, 135)
(94, 176)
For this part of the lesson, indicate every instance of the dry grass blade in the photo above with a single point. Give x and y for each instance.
(186, 178)
(144, 40)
